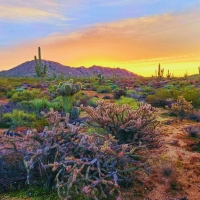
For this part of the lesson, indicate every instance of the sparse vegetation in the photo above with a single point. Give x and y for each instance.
(108, 156)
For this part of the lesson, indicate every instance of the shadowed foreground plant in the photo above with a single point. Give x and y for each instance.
(125, 123)
(76, 163)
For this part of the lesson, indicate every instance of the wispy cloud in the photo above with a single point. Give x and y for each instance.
(25, 14)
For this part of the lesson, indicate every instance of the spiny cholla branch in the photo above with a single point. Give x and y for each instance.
(125, 123)
(77, 163)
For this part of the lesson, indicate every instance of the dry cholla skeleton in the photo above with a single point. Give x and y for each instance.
(126, 124)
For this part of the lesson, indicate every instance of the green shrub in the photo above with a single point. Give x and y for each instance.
(192, 94)
(18, 118)
(10, 93)
(126, 100)
(130, 92)
(93, 101)
(159, 99)
(114, 87)
(104, 89)
(25, 95)
(40, 104)
(40, 124)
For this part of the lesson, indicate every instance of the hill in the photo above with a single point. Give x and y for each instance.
(27, 69)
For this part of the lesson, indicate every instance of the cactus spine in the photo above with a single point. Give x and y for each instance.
(68, 90)
(101, 78)
(39, 69)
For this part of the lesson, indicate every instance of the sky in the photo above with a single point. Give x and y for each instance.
(135, 35)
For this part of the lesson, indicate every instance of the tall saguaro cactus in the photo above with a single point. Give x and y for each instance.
(160, 72)
(101, 78)
(68, 90)
(39, 69)
(199, 70)
(168, 75)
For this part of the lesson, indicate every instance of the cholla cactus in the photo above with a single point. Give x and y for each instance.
(54, 118)
(68, 90)
(92, 165)
(39, 69)
(125, 123)
(182, 108)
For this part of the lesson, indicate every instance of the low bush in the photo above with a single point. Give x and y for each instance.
(104, 89)
(118, 93)
(25, 95)
(18, 118)
(129, 101)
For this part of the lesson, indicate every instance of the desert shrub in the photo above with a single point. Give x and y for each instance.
(146, 89)
(182, 108)
(10, 93)
(40, 124)
(76, 163)
(125, 123)
(159, 99)
(25, 95)
(18, 118)
(130, 92)
(93, 102)
(104, 89)
(113, 86)
(129, 101)
(170, 87)
(118, 93)
(192, 94)
(27, 106)
(41, 104)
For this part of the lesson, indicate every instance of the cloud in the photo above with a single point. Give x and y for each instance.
(24, 14)
(137, 44)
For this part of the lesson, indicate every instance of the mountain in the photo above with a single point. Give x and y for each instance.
(27, 69)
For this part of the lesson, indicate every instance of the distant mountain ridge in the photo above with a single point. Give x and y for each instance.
(27, 69)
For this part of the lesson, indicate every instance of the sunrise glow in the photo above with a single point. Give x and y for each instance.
(130, 34)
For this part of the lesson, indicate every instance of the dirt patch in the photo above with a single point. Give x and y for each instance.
(3, 101)
(94, 93)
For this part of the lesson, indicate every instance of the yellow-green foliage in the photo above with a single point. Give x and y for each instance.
(192, 94)
(25, 95)
(129, 101)
(182, 108)
(160, 97)
(19, 118)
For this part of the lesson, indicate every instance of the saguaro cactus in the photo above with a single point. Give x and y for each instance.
(68, 90)
(101, 78)
(160, 72)
(40, 70)
(199, 70)
(168, 75)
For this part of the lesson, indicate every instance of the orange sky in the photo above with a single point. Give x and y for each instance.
(136, 44)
